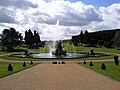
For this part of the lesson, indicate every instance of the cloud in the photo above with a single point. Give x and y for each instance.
(110, 16)
(21, 4)
(6, 17)
(42, 15)
(69, 14)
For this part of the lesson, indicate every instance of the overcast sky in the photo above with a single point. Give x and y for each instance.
(71, 15)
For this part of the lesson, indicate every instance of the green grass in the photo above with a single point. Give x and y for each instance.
(6, 57)
(4, 52)
(16, 68)
(112, 70)
(69, 48)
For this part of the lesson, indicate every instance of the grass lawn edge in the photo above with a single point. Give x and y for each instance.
(20, 70)
(111, 77)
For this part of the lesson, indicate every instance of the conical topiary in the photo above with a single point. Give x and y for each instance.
(91, 64)
(10, 68)
(103, 66)
(84, 62)
(24, 64)
(31, 62)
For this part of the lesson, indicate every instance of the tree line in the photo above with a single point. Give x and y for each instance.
(107, 38)
(10, 38)
(32, 39)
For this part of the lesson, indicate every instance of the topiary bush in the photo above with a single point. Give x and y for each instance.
(91, 64)
(58, 62)
(31, 62)
(10, 67)
(103, 66)
(63, 62)
(24, 64)
(54, 62)
(116, 60)
(84, 62)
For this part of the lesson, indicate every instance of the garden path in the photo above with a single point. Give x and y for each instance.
(68, 76)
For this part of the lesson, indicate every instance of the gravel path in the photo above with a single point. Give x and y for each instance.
(58, 77)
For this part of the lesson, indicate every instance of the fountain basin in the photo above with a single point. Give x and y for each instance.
(49, 55)
(68, 55)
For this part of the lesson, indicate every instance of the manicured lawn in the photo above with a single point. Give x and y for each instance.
(16, 58)
(112, 70)
(4, 52)
(69, 47)
(16, 68)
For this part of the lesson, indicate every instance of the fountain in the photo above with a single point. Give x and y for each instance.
(59, 49)
(56, 49)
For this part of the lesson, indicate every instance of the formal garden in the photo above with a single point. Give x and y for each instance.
(93, 52)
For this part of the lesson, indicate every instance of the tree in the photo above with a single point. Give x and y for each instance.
(81, 37)
(10, 38)
(86, 37)
(32, 39)
(117, 39)
(36, 38)
(29, 38)
(75, 40)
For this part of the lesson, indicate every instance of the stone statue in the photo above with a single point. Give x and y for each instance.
(59, 49)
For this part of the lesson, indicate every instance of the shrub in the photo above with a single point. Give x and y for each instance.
(84, 62)
(10, 68)
(63, 62)
(103, 66)
(24, 64)
(91, 64)
(31, 62)
(107, 44)
(116, 60)
(54, 62)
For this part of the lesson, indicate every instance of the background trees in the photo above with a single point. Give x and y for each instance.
(117, 39)
(36, 38)
(100, 43)
(86, 37)
(81, 37)
(100, 38)
(10, 38)
(31, 39)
